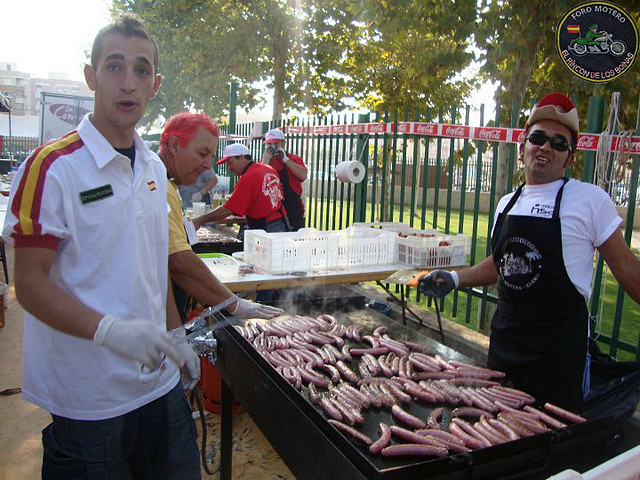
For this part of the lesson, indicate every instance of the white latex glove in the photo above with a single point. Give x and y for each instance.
(266, 156)
(190, 373)
(139, 340)
(249, 309)
(196, 197)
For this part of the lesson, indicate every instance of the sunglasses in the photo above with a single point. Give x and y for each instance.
(557, 142)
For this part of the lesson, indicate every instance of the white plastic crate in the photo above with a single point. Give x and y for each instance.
(366, 246)
(431, 252)
(425, 248)
(306, 250)
(309, 249)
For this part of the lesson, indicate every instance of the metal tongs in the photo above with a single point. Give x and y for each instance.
(202, 338)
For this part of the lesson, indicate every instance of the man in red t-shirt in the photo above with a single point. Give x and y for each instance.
(257, 195)
(292, 172)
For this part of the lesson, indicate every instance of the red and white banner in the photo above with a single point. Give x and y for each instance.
(586, 141)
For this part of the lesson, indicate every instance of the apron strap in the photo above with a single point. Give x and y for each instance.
(514, 199)
(556, 208)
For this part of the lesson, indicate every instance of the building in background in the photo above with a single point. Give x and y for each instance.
(25, 93)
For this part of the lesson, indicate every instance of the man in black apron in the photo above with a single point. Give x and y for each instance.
(540, 329)
(292, 172)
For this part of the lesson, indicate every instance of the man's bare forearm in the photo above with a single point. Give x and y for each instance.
(45, 300)
(483, 273)
(215, 215)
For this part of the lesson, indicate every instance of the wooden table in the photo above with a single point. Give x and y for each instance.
(266, 281)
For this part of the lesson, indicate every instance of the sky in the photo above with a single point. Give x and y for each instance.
(43, 36)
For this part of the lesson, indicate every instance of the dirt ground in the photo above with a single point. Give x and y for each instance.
(21, 422)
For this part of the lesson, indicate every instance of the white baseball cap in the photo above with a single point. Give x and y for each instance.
(233, 150)
(273, 136)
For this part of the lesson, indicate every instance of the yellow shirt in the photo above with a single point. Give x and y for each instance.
(177, 236)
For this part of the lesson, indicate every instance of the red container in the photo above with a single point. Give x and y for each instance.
(211, 387)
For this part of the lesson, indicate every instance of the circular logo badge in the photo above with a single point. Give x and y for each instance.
(520, 264)
(597, 41)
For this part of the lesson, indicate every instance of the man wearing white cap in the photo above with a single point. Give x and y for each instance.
(292, 172)
(544, 238)
(257, 195)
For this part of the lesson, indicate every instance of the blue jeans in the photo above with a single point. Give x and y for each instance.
(156, 441)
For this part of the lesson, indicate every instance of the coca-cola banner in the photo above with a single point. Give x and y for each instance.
(457, 131)
(490, 133)
(586, 141)
(61, 114)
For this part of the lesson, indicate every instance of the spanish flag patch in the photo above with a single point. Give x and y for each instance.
(152, 185)
(573, 29)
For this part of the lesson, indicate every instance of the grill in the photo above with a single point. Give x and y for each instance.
(312, 448)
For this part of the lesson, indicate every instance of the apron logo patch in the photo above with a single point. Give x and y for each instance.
(520, 264)
(96, 194)
(541, 210)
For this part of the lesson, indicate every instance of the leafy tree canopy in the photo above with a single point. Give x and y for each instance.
(317, 55)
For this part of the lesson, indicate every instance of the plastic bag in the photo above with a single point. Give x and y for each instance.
(615, 387)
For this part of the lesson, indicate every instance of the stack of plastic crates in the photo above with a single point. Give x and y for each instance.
(426, 248)
(310, 250)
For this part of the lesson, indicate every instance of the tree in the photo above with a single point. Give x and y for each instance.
(411, 54)
(317, 55)
(203, 46)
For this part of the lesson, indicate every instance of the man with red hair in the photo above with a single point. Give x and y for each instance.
(187, 144)
(544, 238)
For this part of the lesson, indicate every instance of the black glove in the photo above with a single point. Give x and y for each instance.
(437, 284)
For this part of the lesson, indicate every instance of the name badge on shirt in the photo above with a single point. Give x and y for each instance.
(190, 228)
(95, 194)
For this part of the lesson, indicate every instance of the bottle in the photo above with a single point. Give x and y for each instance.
(223, 196)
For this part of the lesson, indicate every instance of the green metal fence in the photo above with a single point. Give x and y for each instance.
(426, 180)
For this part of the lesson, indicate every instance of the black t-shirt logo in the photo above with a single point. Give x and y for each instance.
(597, 41)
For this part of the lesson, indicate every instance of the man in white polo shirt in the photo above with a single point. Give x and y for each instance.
(103, 343)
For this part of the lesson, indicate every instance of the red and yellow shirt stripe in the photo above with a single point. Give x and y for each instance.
(27, 200)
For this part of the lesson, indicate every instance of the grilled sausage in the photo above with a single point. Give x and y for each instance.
(383, 441)
(406, 417)
(351, 432)
(552, 422)
(414, 449)
(564, 414)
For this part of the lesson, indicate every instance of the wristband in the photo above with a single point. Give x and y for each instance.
(454, 276)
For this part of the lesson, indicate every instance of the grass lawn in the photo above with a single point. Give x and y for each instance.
(328, 215)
